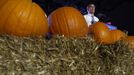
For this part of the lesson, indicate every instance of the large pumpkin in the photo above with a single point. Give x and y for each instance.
(22, 18)
(67, 21)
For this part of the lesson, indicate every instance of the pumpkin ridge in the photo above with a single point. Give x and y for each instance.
(37, 18)
(6, 19)
(43, 17)
(2, 3)
(66, 24)
(34, 26)
(29, 15)
(28, 5)
(74, 25)
(58, 29)
(52, 25)
(76, 31)
(22, 10)
(33, 17)
(2, 20)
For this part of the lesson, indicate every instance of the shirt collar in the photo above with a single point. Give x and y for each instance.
(90, 14)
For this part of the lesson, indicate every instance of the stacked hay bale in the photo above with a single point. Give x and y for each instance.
(61, 55)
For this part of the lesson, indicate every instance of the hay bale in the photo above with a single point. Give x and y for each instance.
(63, 56)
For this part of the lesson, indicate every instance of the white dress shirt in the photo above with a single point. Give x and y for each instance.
(88, 18)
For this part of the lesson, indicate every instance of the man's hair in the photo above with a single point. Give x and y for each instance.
(90, 5)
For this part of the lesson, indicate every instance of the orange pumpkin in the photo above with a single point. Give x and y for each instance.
(67, 21)
(2, 2)
(102, 34)
(130, 40)
(99, 26)
(116, 35)
(22, 18)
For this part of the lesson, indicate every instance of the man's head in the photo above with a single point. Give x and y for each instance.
(91, 8)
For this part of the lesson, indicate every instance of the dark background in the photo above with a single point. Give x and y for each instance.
(120, 12)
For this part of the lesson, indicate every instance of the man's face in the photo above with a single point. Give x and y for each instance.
(91, 9)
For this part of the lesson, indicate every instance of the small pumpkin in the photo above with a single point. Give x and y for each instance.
(116, 35)
(22, 18)
(102, 34)
(130, 40)
(67, 21)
